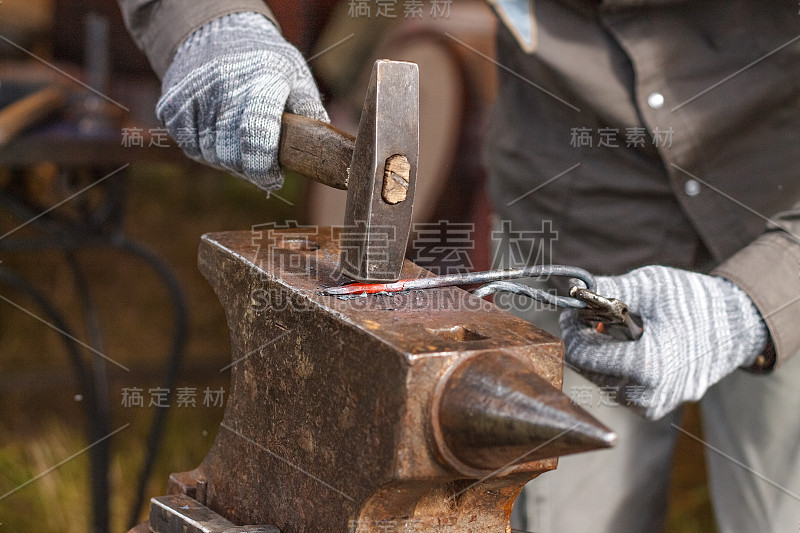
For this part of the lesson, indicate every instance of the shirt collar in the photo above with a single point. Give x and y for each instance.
(517, 15)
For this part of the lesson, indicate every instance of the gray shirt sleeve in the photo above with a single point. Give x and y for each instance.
(160, 26)
(768, 270)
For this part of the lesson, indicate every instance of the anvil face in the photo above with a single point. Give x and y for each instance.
(408, 409)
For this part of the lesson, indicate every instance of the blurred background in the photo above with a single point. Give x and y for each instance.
(104, 319)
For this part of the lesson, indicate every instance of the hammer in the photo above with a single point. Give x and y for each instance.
(378, 168)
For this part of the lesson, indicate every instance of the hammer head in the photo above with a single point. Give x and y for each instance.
(383, 175)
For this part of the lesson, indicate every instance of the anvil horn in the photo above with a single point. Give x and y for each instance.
(492, 412)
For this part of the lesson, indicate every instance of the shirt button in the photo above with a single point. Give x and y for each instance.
(691, 188)
(656, 100)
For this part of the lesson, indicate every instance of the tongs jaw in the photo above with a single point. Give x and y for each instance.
(607, 315)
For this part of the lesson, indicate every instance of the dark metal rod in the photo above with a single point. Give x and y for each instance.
(102, 451)
(180, 325)
(95, 425)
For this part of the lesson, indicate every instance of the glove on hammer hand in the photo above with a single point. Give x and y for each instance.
(226, 89)
(697, 330)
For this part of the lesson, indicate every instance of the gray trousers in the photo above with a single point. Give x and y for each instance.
(751, 437)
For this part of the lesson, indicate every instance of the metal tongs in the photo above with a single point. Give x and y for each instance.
(607, 315)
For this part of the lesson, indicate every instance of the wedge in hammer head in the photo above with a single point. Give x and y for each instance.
(383, 175)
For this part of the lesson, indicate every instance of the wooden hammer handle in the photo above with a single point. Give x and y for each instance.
(28, 111)
(316, 150)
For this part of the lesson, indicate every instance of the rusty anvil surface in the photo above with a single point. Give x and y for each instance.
(345, 414)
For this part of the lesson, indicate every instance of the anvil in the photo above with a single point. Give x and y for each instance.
(420, 411)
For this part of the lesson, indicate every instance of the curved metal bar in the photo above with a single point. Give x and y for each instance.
(537, 294)
(71, 236)
(97, 423)
(101, 453)
(180, 320)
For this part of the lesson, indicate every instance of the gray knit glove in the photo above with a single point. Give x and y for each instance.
(697, 330)
(224, 93)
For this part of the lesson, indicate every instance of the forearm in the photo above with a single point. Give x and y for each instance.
(768, 270)
(160, 26)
